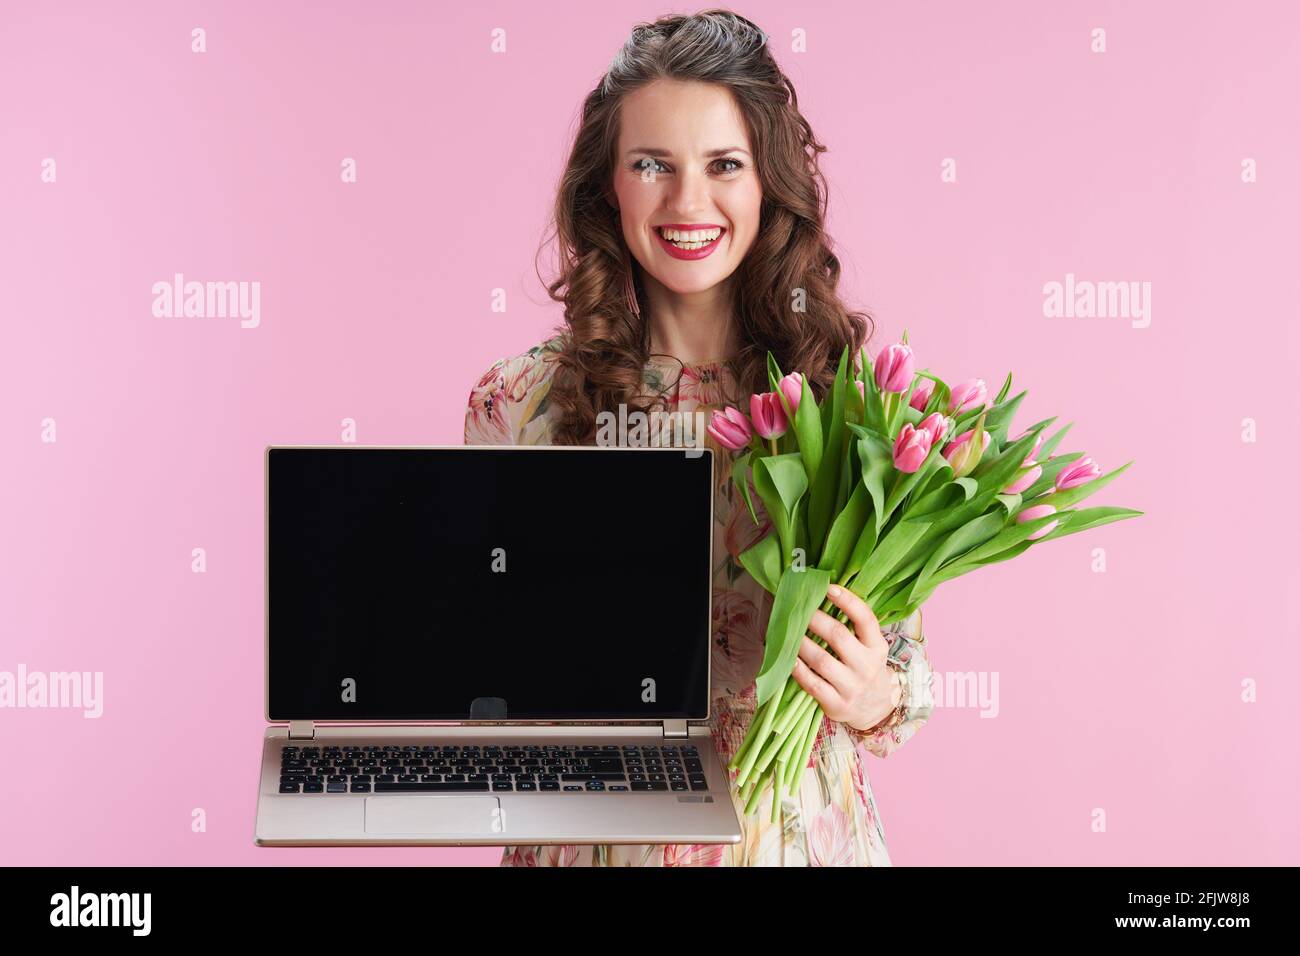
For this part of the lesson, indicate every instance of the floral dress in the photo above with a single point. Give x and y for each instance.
(833, 820)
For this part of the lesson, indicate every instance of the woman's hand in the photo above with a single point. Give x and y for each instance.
(859, 688)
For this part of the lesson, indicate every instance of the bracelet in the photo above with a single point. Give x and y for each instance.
(899, 713)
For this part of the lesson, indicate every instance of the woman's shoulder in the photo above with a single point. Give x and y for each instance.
(527, 369)
(509, 403)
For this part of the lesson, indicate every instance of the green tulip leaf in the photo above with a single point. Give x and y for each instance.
(774, 375)
(797, 595)
(1010, 502)
(874, 411)
(740, 475)
(845, 532)
(943, 498)
(891, 549)
(1008, 543)
(999, 418)
(763, 562)
(1002, 392)
(939, 398)
(825, 498)
(877, 462)
(781, 481)
(1049, 446)
(1086, 518)
(972, 533)
(808, 431)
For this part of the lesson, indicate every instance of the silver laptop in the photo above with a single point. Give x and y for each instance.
(477, 645)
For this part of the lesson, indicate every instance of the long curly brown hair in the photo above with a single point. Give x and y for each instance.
(605, 346)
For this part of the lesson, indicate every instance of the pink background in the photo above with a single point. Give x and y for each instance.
(1119, 690)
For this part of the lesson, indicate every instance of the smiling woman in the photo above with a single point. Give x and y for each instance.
(689, 228)
(692, 195)
(693, 128)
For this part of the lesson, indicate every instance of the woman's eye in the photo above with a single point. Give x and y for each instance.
(649, 164)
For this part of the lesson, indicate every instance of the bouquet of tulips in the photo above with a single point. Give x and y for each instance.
(894, 484)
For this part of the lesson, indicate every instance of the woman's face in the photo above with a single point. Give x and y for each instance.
(683, 162)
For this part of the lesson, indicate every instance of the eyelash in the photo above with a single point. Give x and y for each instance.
(639, 165)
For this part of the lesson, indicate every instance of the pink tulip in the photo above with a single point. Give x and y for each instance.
(894, 368)
(921, 394)
(967, 395)
(731, 429)
(1038, 511)
(911, 448)
(1038, 443)
(1024, 481)
(768, 415)
(962, 455)
(937, 425)
(1077, 473)
(792, 388)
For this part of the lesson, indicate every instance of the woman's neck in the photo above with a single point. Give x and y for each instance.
(693, 328)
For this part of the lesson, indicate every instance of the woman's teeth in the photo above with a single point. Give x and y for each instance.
(692, 239)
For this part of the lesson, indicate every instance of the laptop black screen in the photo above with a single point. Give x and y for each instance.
(571, 583)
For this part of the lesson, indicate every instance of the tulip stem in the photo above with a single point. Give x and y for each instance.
(798, 733)
(736, 758)
(795, 736)
(782, 723)
(751, 737)
(776, 744)
(783, 729)
(810, 738)
(791, 766)
(747, 766)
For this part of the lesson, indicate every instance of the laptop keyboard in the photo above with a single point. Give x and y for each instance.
(533, 768)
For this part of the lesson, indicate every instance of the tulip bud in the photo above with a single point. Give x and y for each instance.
(1035, 512)
(921, 394)
(731, 429)
(1032, 472)
(1077, 473)
(963, 455)
(792, 388)
(911, 448)
(893, 368)
(768, 415)
(937, 425)
(968, 395)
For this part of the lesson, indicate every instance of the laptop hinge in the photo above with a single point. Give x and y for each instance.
(675, 728)
(302, 730)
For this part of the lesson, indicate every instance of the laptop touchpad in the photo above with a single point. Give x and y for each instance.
(434, 814)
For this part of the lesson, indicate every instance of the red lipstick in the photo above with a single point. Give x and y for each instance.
(679, 253)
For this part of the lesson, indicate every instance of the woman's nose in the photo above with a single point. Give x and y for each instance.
(690, 195)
